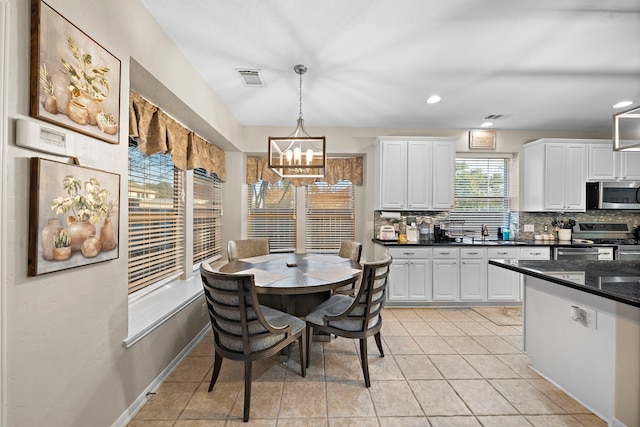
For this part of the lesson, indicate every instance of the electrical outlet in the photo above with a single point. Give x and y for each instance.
(589, 317)
(586, 316)
(528, 228)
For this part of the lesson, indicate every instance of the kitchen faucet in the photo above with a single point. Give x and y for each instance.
(485, 231)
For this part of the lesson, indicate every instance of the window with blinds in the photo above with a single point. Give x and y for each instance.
(272, 214)
(330, 216)
(207, 215)
(156, 218)
(482, 193)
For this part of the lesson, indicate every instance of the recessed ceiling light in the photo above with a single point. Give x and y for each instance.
(622, 104)
(486, 124)
(433, 99)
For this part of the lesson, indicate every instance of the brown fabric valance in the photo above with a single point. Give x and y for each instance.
(337, 168)
(156, 132)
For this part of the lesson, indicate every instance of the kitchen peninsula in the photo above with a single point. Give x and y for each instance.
(581, 328)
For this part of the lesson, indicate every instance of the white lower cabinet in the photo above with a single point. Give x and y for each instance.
(446, 274)
(410, 275)
(456, 274)
(473, 274)
(503, 284)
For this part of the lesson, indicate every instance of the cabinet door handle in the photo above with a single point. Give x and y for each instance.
(408, 253)
(472, 253)
(444, 253)
(502, 253)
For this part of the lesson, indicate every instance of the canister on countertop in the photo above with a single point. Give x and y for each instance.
(424, 231)
(436, 233)
(412, 233)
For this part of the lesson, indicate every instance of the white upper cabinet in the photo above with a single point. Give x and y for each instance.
(555, 172)
(444, 175)
(419, 176)
(629, 165)
(391, 178)
(415, 173)
(608, 165)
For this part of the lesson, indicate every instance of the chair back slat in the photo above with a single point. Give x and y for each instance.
(364, 312)
(236, 316)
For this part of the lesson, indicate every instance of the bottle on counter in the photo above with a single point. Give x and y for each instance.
(402, 232)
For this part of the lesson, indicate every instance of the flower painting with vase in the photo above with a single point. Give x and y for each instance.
(75, 82)
(73, 216)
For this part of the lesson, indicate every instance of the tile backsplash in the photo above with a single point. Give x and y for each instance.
(538, 219)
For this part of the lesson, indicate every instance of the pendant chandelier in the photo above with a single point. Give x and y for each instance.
(298, 155)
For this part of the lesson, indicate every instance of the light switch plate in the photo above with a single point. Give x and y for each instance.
(529, 228)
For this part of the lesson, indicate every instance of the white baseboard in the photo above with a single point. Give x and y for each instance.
(616, 423)
(133, 409)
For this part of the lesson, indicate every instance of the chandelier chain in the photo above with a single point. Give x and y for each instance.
(300, 113)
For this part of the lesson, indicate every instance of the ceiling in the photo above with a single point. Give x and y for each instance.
(540, 64)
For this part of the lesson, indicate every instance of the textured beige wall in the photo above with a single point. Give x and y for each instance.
(64, 360)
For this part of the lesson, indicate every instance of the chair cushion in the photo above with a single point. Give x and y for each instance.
(335, 305)
(278, 319)
(275, 318)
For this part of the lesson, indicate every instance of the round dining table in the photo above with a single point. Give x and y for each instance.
(296, 283)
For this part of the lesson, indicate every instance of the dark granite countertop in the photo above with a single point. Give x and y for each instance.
(493, 243)
(488, 243)
(615, 280)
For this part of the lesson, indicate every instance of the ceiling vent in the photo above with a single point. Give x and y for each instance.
(251, 78)
(493, 117)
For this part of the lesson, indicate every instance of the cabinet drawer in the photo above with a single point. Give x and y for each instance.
(535, 253)
(473, 253)
(502, 253)
(445, 253)
(410, 253)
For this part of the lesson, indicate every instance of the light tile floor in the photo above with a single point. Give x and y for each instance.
(442, 368)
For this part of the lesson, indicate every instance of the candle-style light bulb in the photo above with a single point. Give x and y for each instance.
(289, 154)
(309, 156)
(297, 155)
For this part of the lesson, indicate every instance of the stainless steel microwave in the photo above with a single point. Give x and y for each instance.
(613, 195)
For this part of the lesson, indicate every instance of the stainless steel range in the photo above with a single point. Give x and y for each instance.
(614, 238)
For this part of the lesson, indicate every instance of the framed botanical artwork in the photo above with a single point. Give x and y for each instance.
(73, 216)
(75, 82)
(482, 139)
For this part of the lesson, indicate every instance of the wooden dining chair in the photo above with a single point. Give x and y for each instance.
(238, 249)
(243, 330)
(355, 318)
(352, 250)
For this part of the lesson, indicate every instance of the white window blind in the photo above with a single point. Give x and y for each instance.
(207, 219)
(156, 218)
(272, 214)
(330, 216)
(482, 193)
